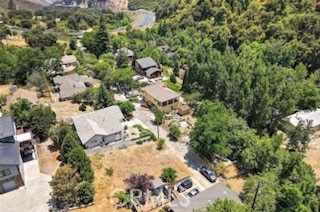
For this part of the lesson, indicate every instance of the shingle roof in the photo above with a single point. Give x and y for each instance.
(71, 84)
(160, 93)
(146, 62)
(127, 51)
(204, 198)
(7, 128)
(103, 122)
(313, 116)
(151, 71)
(9, 153)
(68, 59)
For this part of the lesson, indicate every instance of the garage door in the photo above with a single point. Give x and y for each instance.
(9, 186)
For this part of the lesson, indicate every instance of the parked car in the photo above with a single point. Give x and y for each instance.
(193, 192)
(209, 174)
(185, 185)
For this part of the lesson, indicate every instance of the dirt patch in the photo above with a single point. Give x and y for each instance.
(312, 156)
(233, 179)
(48, 157)
(139, 158)
(66, 109)
(17, 40)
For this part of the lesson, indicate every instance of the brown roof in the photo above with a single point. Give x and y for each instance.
(184, 107)
(160, 93)
(31, 96)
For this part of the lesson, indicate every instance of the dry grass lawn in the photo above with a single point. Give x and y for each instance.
(312, 156)
(138, 158)
(48, 157)
(5, 89)
(66, 109)
(233, 180)
(17, 40)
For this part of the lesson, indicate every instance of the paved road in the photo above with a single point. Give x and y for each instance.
(146, 19)
(32, 197)
(182, 150)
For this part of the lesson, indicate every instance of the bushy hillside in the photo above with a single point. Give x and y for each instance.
(21, 4)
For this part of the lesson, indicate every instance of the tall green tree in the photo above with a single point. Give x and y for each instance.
(69, 143)
(104, 98)
(64, 186)
(300, 136)
(41, 119)
(21, 112)
(85, 192)
(228, 205)
(60, 132)
(78, 159)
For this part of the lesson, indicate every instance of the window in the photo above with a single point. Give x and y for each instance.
(5, 172)
(164, 103)
(170, 101)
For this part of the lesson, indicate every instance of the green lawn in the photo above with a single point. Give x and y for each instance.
(174, 87)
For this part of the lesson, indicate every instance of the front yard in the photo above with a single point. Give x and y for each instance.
(143, 158)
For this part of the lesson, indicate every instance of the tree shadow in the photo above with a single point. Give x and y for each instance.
(52, 148)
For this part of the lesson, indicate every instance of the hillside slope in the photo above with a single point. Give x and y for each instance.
(111, 4)
(21, 4)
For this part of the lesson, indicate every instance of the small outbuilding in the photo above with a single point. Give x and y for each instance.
(184, 109)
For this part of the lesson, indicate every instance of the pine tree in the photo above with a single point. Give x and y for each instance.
(80, 161)
(104, 98)
(101, 41)
(69, 143)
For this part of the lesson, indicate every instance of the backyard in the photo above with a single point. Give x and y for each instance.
(143, 158)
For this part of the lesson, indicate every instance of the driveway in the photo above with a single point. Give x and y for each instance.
(182, 150)
(32, 197)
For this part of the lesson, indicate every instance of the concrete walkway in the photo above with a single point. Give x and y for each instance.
(32, 197)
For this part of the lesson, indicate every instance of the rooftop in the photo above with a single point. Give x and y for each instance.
(7, 127)
(151, 71)
(71, 84)
(103, 122)
(146, 62)
(68, 59)
(204, 198)
(160, 93)
(313, 116)
(157, 183)
(9, 153)
(127, 51)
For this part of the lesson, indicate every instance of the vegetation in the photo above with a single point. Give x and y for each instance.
(104, 98)
(223, 205)
(59, 133)
(145, 132)
(174, 130)
(169, 175)
(161, 144)
(127, 108)
(69, 143)
(78, 160)
(109, 171)
(140, 181)
(159, 116)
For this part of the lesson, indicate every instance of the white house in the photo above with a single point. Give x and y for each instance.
(99, 127)
(313, 116)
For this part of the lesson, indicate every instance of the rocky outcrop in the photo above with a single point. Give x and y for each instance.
(111, 4)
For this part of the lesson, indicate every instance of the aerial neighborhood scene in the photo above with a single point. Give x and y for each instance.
(160, 105)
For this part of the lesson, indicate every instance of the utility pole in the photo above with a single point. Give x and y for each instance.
(260, 183)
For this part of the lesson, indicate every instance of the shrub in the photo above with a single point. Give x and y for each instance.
(160, 144)
(169, 175)
(109, 171)
(82, 107)
(174, 130)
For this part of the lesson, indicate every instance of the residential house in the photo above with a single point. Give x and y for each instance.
(126, 51)
(19, 93)
(10, 160)
(166, 49)
(307, 115)
(100, 127)
(69, 63)
(203, 199)
(69, 85)
(147, 67)
(161, 97)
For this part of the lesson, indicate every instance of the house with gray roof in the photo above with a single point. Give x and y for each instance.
(10, 159)
(99, 127)
(69, 85)
(147, 67)
(203, 199)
